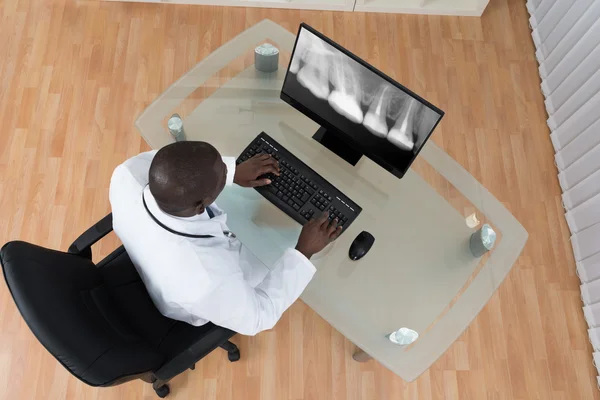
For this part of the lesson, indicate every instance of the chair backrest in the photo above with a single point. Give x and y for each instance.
(61, 296)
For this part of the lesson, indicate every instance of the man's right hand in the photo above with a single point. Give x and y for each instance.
(317, 233)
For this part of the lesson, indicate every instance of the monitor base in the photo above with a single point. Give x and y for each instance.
(337, 145)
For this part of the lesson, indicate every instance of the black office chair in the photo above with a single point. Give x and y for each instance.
(98, 321)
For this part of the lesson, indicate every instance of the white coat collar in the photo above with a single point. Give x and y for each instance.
(197, 225)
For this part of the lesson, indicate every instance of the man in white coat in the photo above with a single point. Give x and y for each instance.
(177, 238)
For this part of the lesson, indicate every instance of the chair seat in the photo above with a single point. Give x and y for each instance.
(140, 316)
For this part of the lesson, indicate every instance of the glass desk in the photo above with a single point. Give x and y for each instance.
(419, 274)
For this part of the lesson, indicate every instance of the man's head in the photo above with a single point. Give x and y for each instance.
(186, 177)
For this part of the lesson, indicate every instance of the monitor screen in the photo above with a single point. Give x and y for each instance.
(380, 117)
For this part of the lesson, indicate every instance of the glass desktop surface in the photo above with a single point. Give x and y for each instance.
(419, 273)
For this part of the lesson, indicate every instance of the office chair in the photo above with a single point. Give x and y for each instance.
(98, 320)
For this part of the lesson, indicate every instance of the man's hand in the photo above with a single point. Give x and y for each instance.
(317, 233)
(247, 173)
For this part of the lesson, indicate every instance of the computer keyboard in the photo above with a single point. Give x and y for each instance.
(299, 191)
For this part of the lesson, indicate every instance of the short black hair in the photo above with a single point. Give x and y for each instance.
(182, 174)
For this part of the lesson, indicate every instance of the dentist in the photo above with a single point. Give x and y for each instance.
(194, 268)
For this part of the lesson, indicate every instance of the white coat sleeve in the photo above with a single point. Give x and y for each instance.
(238, 306)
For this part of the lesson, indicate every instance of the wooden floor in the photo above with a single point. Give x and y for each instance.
(75, 75)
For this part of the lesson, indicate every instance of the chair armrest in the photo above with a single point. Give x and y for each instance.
(82, 246)
(200, 349)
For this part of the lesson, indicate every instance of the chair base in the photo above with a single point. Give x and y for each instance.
(233, 353)
(163, 391)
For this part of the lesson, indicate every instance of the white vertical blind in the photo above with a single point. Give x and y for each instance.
(586, 73)
(550, 20)
(553, 55)
(566, 34)
(562, 28)
(540, 12)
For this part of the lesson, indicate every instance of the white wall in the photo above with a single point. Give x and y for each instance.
(566, 34)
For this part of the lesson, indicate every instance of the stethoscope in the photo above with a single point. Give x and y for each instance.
(228, 234)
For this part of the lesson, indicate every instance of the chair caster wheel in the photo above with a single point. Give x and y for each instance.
(234, 355)
(163, 391)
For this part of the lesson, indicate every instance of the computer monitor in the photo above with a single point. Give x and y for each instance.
(361, 110)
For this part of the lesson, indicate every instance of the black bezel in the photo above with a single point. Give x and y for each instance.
(332, 129)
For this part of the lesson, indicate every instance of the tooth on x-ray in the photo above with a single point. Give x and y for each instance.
(402, 134)
(375, 118)
(345, 98)
(346, 105)
(316, 80)
(302, 47)
(314, 75)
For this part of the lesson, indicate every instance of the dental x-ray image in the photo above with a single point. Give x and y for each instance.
(358, 102)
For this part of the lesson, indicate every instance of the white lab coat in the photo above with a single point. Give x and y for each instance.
(200, 280)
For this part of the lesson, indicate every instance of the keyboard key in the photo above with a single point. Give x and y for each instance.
(279, 194)
(322, 207)
(297, 200)
(296, 207)
(285, 198)
(305, 197)
(291, 203)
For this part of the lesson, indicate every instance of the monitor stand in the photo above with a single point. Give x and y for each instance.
(337, 145)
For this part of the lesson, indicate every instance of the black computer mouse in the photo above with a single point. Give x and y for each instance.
(361, 245)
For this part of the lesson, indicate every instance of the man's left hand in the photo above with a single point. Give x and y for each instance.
(247, 173)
